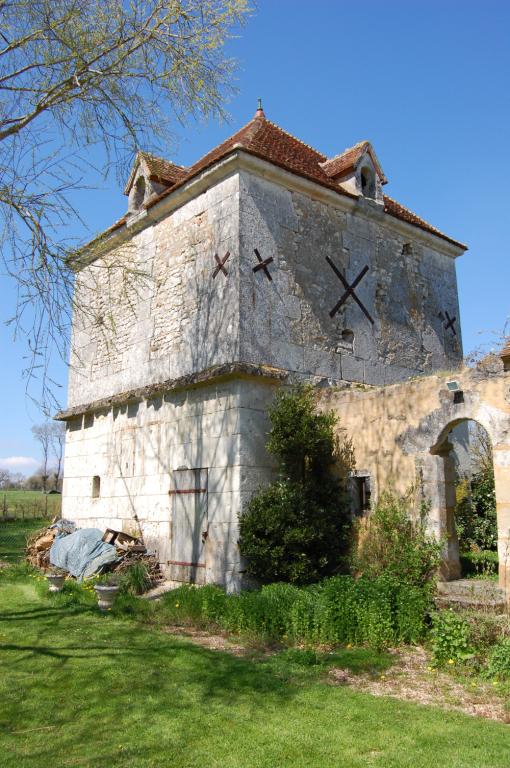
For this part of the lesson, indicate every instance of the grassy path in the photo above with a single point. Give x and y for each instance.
(79, 689)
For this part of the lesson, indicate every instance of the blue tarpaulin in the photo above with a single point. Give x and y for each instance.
(82, 553)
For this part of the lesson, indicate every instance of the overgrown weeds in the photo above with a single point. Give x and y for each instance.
(379, 613)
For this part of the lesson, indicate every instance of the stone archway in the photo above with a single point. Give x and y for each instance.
(400, 436)
(438, 475)
(443, 452)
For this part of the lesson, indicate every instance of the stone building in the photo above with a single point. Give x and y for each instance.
(265, 261)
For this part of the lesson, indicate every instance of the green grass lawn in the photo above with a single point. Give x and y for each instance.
(13, 536)
(29, 504)
(80, 689)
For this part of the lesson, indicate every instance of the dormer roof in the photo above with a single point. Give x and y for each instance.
(156, 169)
(505, 355)
(348, 160)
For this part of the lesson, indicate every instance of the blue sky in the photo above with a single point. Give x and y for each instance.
(426, 82)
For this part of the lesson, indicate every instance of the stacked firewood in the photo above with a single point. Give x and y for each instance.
(150, 561)
(38, 548)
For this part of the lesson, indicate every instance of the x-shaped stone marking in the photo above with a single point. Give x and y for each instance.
(263, 264)
(450, 323)
(220, 265)
(349, 290)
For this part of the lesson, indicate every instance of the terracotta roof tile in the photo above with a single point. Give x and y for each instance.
(344, 163)
(267, 140)
(401, 212)
(163, 170)
(341, 164)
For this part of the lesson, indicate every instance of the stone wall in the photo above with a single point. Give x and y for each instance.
(150, 310)
(134, 449)
(400, 436)
(286, 322)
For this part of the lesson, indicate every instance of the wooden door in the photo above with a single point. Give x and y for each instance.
(189, 525)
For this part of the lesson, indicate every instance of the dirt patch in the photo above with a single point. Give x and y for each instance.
(411, 678)
(211, 642)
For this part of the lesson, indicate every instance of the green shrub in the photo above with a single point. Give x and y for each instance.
(450, 638)
(297, 530)
(499, 660)
(480, 563)
(475, 512)
(377, 613)
(294, 534)
(394, 543)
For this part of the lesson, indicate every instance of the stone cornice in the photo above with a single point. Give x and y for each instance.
(207, 376)
(239, 160)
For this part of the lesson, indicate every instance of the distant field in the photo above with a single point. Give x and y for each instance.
(29, 504)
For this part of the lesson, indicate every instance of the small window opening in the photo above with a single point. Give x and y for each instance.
(367, 182)
(346, 341)
(88, 420)
(96, 487)
(139, 195)
(361, 493)
(458, 397)
(407, 249)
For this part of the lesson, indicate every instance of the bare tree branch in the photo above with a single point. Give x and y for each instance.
(90, 73)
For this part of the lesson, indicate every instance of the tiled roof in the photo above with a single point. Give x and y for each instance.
(265, 140)
(159, 169)
(268, 141)
(404, 214)
(163, 170)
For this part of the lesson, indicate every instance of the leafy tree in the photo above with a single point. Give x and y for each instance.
(81, 73)
(297, 529)
(58, 439)
(475, 513)
(42, 433)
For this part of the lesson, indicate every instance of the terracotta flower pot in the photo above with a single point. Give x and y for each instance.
(106, 595)
(55, 581)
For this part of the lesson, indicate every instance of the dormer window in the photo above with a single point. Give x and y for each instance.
(367, 181)
(149, 177)
(358, 171)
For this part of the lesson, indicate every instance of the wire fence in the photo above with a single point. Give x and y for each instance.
(40, 508)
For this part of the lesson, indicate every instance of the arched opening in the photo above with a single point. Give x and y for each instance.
(367, 179)
(466, 494)
(137, 194)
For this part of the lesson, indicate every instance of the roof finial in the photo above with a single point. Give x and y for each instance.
(260, 111)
